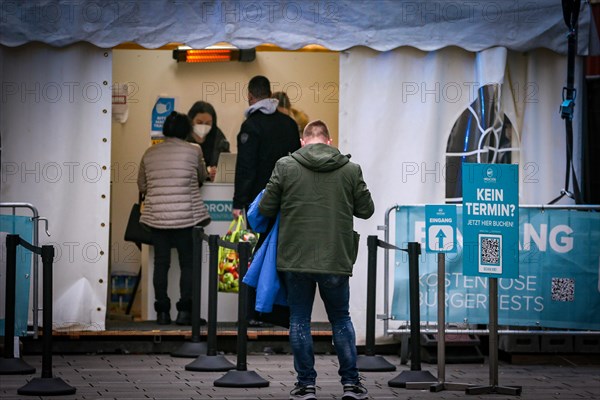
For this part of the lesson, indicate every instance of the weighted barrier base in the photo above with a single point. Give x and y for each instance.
(514, 390)
(241, 379)
(46, 387)
(210, 363)
(449, 386)
(374, 364)
(412, 376)
(190, 350)
(15, 366)
(438, 387)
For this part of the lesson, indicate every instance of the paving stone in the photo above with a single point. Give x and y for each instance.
(159, 376)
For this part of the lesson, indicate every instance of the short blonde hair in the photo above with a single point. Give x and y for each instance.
(316, 128)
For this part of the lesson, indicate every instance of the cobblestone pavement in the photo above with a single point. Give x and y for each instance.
(164, 377)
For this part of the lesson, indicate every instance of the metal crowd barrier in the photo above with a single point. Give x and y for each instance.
(426, 326)
(35, 272)
(47, 384)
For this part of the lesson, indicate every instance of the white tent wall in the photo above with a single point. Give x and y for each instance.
(397, 109)
(55, 125)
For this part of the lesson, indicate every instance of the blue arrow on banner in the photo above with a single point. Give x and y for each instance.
(440, 236)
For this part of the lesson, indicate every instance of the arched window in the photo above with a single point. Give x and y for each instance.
(482, 134)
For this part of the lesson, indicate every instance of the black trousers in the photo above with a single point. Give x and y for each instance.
(164, 240)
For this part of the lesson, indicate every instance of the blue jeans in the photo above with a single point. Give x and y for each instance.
(335, 293)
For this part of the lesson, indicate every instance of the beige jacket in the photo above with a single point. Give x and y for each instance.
(170, 175)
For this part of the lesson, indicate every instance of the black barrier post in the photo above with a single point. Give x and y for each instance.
(9, 365)
(240, 377)
(211, 361)
(415, 374)
(195, 347)
(47, 385)
(369, 362)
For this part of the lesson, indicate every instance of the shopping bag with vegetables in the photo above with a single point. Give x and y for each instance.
(229, 278)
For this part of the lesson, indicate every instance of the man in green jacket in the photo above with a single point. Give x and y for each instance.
(318, 191)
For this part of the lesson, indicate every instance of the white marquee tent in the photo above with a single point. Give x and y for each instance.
(408, 71)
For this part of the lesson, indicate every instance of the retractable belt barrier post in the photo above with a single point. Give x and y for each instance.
(441, 338)
(369, 362)
(415, 374)
(46, 385)
(211, 361)
(241, 377)
(195, 347)
(9, 365)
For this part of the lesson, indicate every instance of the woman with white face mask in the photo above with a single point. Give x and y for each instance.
(207, 134)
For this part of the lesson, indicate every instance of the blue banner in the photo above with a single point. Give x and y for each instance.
(558, 284)
(22, 226)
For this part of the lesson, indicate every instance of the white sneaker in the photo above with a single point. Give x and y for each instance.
(303, 392)
(355, 391)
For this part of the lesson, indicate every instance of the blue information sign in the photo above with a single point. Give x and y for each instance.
(162, 108)
(491, 220)
(440, 228)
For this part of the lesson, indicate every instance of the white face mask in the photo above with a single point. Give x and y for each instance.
(201, 130)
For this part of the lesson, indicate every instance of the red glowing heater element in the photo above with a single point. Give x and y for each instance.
(213, 55)
(207, 56)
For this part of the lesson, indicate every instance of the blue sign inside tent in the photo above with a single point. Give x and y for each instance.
(161, 110)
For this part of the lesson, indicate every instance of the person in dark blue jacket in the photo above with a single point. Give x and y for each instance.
(265, 136)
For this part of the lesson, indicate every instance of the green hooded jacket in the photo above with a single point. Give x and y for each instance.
(318, 191)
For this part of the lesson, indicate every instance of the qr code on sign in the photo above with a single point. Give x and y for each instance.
(490, 250)
(563, 289)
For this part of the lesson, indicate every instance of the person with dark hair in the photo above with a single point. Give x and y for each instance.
(265, 136)
(259, 87)
(316, 191)
(207, 134)
(170, 176)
